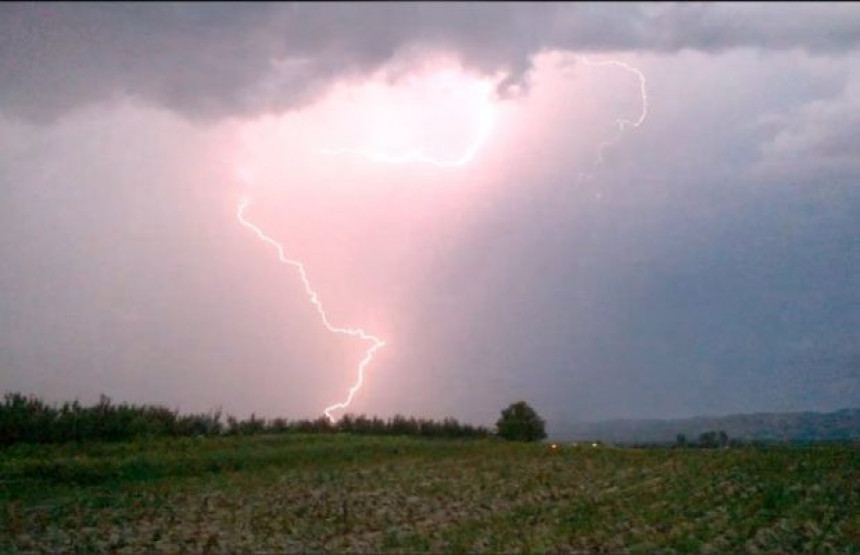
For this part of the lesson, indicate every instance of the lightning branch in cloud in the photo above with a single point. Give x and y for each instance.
(417, 156)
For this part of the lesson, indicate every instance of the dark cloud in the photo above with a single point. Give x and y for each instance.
(212, 60)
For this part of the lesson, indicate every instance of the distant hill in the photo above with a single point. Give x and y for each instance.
(781, 427)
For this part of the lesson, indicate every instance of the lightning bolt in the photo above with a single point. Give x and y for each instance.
(375, 342)
(623, 124)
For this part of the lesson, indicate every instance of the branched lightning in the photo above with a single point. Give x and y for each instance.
(415, 155)
(375, 342)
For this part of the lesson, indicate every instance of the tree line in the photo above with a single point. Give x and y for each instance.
(28, 419)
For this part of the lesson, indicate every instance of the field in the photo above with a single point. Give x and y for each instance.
(347, 493)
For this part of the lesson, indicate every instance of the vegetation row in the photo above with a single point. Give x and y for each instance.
(28, 419)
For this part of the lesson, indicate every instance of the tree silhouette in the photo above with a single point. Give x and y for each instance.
(520, 422)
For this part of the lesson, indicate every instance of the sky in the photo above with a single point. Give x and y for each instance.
(627, 210)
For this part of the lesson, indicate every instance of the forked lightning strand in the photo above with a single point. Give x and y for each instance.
(376, 343)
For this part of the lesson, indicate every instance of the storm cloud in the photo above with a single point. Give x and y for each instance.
(207, 61)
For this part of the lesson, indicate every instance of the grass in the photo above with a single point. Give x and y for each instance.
(345, 493)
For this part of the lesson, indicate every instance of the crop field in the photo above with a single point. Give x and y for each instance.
(350, 493)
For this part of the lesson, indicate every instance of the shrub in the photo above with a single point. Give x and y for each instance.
(520, 422)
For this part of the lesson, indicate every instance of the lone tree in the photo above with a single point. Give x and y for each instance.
(520, 422)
